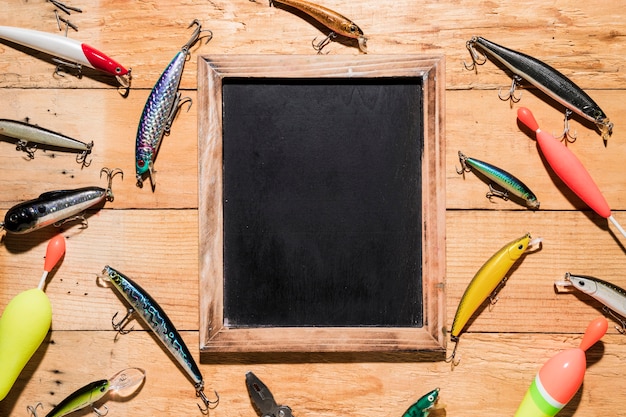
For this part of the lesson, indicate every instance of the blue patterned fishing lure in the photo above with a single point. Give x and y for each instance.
(156, 319)
(160, 110)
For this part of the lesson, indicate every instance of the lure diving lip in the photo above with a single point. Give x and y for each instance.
(69, 49)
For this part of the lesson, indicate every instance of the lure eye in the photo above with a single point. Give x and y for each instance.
(581, 283)
(118, 70)
(141, 163)
(41, 209)
(520, 247)
(431, 398)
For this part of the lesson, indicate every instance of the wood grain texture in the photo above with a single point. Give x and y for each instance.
(153, 237)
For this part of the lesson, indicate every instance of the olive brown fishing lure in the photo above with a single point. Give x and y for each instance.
(155, 318)
(338, 24)
(160, 110)
(545, 78)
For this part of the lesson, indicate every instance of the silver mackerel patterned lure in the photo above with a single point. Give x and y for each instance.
(153, 315)
(160, 110)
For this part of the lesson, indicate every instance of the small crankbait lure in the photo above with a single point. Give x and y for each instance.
(122, 384)
(612, 296)
(26, 134)
(75, 53)
(569, 168)
(160, 110)
(486, 282)
(502, 178)
(545, 78)
(338, 24)
(423, 406)
(154, 316)
(560, 378)
(57, 207)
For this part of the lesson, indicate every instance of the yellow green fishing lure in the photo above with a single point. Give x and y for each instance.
(486, 281)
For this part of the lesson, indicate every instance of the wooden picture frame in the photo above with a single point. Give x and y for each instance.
(217, 334)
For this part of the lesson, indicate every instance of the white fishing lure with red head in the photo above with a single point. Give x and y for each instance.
(69, 49)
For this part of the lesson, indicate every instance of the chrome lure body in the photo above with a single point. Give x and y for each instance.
(545, 78)
(155, 318)
(612, 296)
(29, 136)
(68, 49)
(55, 207)
(159, 112)
(508, 182)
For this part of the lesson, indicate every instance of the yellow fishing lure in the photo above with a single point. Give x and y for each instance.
(486, 281)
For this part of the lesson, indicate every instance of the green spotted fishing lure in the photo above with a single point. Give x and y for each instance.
(508, 182)
(154, 316)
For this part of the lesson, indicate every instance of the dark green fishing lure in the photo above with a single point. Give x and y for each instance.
(508, 182)
(423, 406)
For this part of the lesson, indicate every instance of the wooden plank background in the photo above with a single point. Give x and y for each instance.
(153, 237)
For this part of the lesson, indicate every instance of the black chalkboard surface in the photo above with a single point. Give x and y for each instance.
(321, 209)
(322, 202)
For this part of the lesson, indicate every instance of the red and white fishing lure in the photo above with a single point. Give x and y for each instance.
(73, 51)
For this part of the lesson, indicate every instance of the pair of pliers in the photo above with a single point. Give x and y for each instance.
(263, 398)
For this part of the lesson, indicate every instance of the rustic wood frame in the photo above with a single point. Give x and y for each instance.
(214, 335)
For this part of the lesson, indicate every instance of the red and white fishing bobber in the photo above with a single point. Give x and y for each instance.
(73, 51)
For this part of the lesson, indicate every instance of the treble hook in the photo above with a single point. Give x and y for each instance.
(566, 136)
(620, 320)
(33, 409)
(511, 96)
(110, 174)
(81, 158)
(119, 326)
(450, 359)
(208, 404)
(195, 36)
(99, 413)
(464, 167)
(477, 57)
(30, 150)
(321, 44)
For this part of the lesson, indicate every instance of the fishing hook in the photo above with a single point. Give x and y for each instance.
(178, 103)
(23, 146)
(110, 174)
(81, 158)
(321, 44)
(64, 7)
(566, 136)
(33, 409)
(620, 320)
(119, 326)
(496, 193)
(195, 37)
(493, 298)
(99, 413)
(208, 404)
(464, 167)
(450, 359)
(83, 221)
(511, 96)
(477, 57)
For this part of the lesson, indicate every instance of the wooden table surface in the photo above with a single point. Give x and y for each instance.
(153, 236)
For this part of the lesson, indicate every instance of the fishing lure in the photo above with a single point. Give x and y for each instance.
(123, 384)
(338, 24)
(486, 282)
(569, 168)
(545, 78)
(502, 178)
(423, 406)
(612, 296)
(156, 319)
(26, 134)
(160, 110)
(75, 53)
(57, 207)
